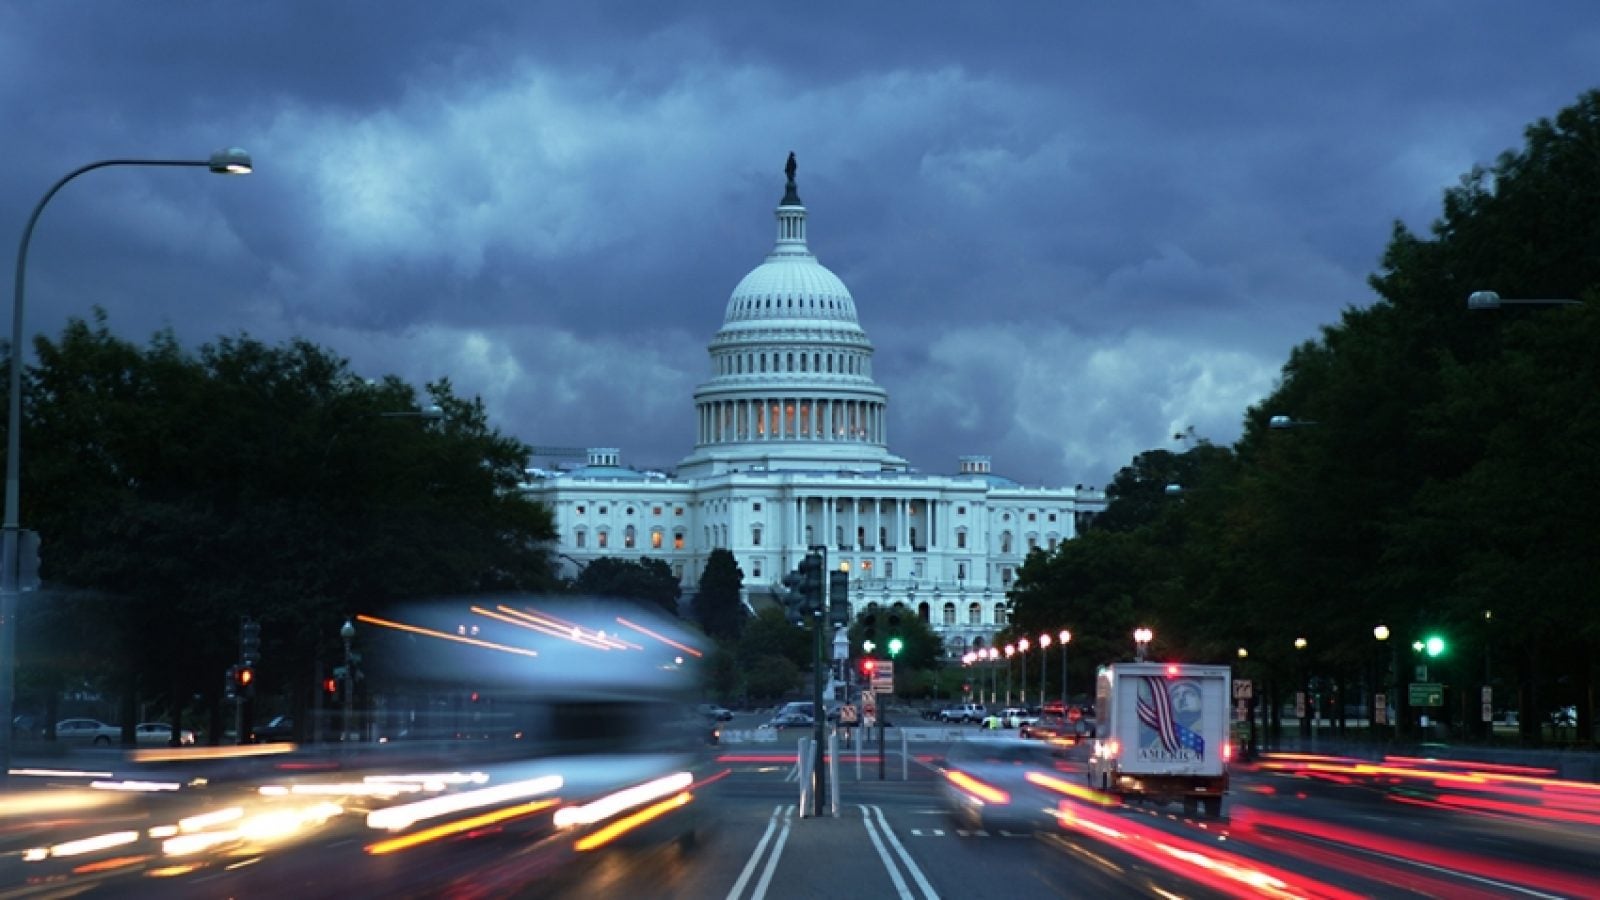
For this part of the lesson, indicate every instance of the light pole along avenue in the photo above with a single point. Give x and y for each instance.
(223, 162)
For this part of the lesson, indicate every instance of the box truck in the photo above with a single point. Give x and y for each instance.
(1163, 733)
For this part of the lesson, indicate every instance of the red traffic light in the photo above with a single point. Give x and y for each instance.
(869, 665)
(330, 685)
(245, 675)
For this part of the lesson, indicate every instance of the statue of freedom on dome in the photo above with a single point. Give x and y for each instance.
(789, 168)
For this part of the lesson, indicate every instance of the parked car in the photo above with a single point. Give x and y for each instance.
(278, 728)
(88, 731)
(159, 734)
(965, 712)
(790, 720)
(716, 713)
(26, 726)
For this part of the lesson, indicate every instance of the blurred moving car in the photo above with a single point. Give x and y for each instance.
(986, 784)
(26, 726)
(88, 731)
(1565, 717)
(160, 734)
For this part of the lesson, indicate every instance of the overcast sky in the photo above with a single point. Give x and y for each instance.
(1071, 229)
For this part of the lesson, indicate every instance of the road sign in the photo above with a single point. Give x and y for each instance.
(883, 677)
(1243, 689)
(1380, 710)
(1427, 693)
(869, 708)
(1488, 712)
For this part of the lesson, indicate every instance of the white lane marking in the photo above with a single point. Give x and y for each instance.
(922, 882)
(894, 873)
(755, 856)
(772, 858)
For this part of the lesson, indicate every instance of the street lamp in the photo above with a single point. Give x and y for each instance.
(1066, 638)
(1044, 656)
(1141, 639)
(226, 162)
(348, 632)
(1305, 710)
(1022, 663)
(1011, 650)
(1381, 632)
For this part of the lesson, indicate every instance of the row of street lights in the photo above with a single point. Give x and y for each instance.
(1141, 639)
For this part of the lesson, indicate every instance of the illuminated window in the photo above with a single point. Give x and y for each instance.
(655, 540)
(627, 538)
(677, 541)
(866, 565)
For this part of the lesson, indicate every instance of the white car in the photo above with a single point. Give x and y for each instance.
(159, 734)
(88, 731)
(1011, 717)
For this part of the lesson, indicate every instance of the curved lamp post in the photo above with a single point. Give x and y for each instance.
(1022, 664)
(348, 632)
(1044, 657)
(232, 161)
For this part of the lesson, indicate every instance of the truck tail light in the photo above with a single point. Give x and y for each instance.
(1108, 749)
(1227, 751)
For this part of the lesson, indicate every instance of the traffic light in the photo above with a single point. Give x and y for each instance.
(244, 680)
(804, 596)
(868, 667)
(250, 641)
(895, 646)
(839, 598)
(230, 683)
(895, 643)
(1434, 645)
(330, 686)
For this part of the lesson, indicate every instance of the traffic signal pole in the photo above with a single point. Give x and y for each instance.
(820, 666)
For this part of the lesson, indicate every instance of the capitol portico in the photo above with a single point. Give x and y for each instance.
(791, 451)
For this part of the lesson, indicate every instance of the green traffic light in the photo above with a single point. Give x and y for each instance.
(1435, 645)
(895, 646)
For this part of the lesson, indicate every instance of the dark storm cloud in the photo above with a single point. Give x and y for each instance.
(1070, 231)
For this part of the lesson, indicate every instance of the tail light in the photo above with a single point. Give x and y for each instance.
(1227, 751)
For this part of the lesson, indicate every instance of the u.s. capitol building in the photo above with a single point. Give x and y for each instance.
(792, 450)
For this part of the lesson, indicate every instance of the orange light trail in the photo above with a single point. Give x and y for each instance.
(1061, 786)
(986, 793)
(444, 635)
(547, 626)
(448, 829)
(662, 638)
(594, 633)
(622, 826)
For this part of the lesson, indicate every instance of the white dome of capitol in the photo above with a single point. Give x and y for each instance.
(790, 287)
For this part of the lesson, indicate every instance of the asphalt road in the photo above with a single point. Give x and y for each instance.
(1293, 827)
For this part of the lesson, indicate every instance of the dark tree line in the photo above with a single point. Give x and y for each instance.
(177, 492)
(1440, 475)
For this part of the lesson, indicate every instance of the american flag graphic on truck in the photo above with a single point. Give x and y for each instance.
(1169, 714)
